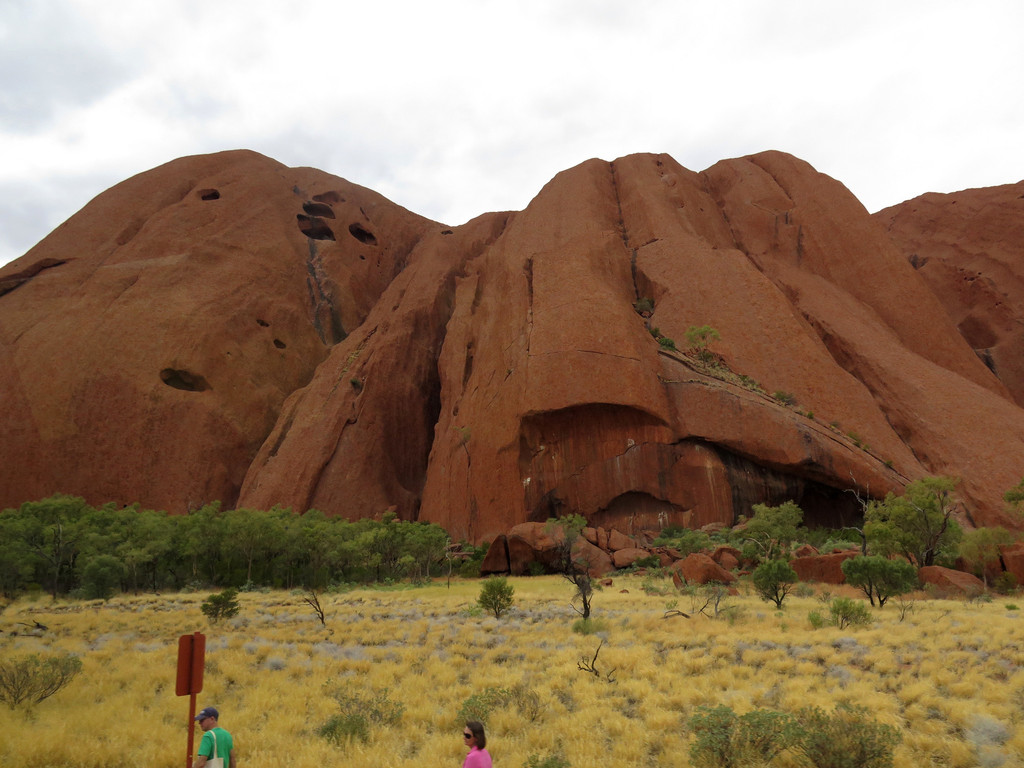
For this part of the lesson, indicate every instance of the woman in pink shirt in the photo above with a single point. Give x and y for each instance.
(473, 735)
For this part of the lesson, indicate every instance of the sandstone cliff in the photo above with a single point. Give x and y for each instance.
(224, 327)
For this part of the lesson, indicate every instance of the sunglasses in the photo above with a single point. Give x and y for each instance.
(467, 735)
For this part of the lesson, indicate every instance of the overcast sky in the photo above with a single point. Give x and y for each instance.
(452, 109)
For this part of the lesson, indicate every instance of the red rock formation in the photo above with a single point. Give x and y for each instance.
(196, 333)
(969, 248)
(824, 568)
(147, 344)
(949, 581)
(699, 568)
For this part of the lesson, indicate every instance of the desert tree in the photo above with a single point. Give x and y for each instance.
(566, 531)
(879, 577)
(919, 525)
(774, 580)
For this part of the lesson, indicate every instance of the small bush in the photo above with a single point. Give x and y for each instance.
(358, 714)
(816, 619)
(847, 612)
(667, 343)
(644, 304)
(31, 679)
(496, 595)
(786, 398)
(845, 739)
(480, 705)
(222, 606)
(1005, 583)
(774, 580)
(548, 761)
(589, 626)
(725, 740)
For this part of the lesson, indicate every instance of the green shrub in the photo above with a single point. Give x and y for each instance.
(222, 606)
(555, 760)
(879, 577)
(644, 304)
(786, 398)
(1005, 583)
(480, 705)
(358, 714)
(847, 612)
(496, 595)
(774, 580)
(725, 740)
(589, 626)
(816, 619)
(101, 577)
(847, 738)
(667, 343)
(31, 679)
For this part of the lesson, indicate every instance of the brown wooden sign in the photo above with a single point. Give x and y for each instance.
(191, 660)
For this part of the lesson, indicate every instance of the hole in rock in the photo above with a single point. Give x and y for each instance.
(447, 232)
(330, 198)
(262, 323)
(279, 344)
(318, 209)
(314, 227)
(361, 234)
(208, 194)
(361, 257)
(183, 380)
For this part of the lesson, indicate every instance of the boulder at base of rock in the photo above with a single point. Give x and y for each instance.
(727, 557)
(824, 568)
(1013, 560)
(699, 568)
(496, 560)
(617, 541)
(623, 558)
(949, 581)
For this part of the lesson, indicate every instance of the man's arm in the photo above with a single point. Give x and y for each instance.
(200, 761)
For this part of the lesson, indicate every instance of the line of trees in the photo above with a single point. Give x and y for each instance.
(65, 546)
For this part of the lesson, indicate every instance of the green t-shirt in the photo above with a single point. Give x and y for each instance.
(224, 745)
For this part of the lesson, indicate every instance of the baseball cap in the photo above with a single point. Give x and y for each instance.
(208, 712)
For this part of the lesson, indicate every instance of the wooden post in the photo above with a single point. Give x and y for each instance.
(191, 662)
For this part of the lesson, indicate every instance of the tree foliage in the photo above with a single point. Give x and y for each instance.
(221, 606)
(774, 580)
(66, 546)
(31, 679)
(918, 525)
(774, 529)
(496, 595)
(879, 577)
(980, 547)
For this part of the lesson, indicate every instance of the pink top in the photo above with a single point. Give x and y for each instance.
(477, 758)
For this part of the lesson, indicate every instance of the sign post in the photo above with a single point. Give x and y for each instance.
(191, 661)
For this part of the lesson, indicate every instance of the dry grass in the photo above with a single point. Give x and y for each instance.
(949, 677)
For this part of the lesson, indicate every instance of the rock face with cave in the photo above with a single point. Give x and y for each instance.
(224, 327)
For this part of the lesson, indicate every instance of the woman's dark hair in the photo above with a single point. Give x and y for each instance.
(477, 729)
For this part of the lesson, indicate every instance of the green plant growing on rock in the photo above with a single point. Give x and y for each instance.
(699, 337)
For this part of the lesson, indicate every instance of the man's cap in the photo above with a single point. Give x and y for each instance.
(207, 712)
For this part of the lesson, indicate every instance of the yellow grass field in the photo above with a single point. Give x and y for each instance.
(949, 676)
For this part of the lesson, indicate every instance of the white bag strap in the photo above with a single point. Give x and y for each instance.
(214, 734)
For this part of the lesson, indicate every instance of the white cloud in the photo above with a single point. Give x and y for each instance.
(454, 108)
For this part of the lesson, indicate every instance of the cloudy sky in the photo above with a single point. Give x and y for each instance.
(455, 108)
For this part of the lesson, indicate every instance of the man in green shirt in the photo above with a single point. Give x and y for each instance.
(215, 742)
